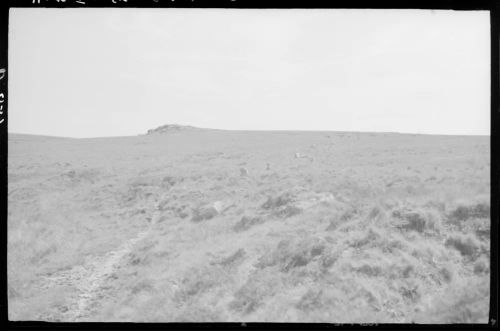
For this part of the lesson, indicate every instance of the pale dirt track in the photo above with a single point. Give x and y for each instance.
(90, 279)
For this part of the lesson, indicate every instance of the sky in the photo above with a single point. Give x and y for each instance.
(97, 72)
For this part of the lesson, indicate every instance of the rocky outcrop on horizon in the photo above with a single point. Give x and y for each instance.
(171, 128)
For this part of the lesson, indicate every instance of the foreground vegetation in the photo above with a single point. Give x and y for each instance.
(367, 228)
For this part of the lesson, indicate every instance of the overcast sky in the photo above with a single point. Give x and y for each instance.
(114, 72)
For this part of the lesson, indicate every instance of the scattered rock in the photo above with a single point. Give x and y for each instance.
(207, 212)
(309, 200)
(243, 172)
(302, 156)
(219, 206)
(204, 213)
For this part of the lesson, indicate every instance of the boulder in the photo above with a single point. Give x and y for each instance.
(207, 212)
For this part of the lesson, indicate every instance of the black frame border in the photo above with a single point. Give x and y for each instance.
(492, 6)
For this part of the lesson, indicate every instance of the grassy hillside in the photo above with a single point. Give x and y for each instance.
(360, 227)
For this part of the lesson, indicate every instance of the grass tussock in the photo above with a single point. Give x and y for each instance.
(282, 206)
(232, 259)
(290, 254)
(467, 245)
(417, 219)
(276, 202)
(253, 295)
(464, 212)
(199, 281)
(370, 238)
(314, 299)
(247, 222)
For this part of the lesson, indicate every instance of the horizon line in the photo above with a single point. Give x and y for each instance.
(189, 127)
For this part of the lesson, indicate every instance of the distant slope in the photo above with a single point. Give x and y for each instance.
(28, 137)
(215, 225)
